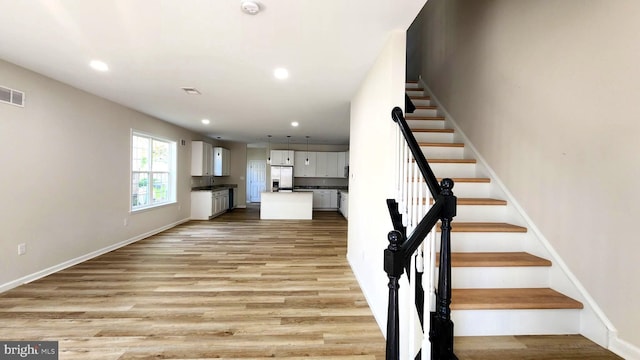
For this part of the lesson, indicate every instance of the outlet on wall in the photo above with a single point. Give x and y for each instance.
(126, 221)
(22, 249)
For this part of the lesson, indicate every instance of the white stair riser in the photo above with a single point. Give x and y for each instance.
(426, 124)
(479, 213)
(515, 322)
(415, 93)
(425, 112)
(485, 242)
(411, 85)
(443, 152)
(482, 213)
(417, 102)
(499, 277)
(463, 189)
(434, 137)
(454, 170)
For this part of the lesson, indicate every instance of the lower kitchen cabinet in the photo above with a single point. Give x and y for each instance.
(208, 204)
(344, 204)
(325, 199)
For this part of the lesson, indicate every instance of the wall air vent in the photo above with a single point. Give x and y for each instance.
(11, 96)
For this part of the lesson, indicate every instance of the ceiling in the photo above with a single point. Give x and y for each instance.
(154, 48)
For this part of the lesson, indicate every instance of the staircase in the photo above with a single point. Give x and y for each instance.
(499, 287)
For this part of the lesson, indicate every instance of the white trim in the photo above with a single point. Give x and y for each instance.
(173, 170)
(608, 327)
(623, 348)
(69, 263)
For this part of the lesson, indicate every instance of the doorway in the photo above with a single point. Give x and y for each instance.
(256, 179)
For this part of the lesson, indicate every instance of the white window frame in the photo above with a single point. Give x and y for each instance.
(172, 178)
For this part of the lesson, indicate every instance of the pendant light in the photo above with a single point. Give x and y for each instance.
(269, 158)
(306, 161)
(288, 142)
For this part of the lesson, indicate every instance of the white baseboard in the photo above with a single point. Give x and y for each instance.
(69, 263)
(623, 348)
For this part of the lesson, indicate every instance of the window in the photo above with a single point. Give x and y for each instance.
(153, 171)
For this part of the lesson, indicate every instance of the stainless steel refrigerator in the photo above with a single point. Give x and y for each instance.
(282, 178)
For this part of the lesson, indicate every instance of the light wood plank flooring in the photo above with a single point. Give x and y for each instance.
(234, 287)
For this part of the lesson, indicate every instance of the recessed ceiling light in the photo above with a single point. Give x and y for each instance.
(281, 73)
(250, 7)
(205, 121)
(98, 65)
(295, 124)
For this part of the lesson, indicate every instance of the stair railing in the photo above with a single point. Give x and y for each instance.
(416, 175)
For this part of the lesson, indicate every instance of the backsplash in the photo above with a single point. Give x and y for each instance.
(307, 181)
(197, 181)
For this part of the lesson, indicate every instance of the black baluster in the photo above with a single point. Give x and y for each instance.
(393, 266)
(441, 334)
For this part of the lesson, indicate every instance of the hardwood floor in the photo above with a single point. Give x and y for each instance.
(559, 347)
(234, 287)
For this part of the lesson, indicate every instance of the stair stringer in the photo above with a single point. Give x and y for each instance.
(594, 324)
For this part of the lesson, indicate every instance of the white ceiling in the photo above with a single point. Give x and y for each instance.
(156, 47)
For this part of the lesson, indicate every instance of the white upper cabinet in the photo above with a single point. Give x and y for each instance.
(321, 164)
(302, 169)
(201, 158)
(342, 163)
(282, 157)
(332, 165)
(221, 161)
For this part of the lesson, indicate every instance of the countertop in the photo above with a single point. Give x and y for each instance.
(215, 187)
(344, 188)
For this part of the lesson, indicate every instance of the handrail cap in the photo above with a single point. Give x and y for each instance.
(396, 113)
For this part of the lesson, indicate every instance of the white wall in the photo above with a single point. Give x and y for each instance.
(547, 91)
(371, 182)
(64, 173)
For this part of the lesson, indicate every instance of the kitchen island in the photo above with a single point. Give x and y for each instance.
(286, 205)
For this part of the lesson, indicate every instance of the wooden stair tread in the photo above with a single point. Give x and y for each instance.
(432, 144)
(505, 299)
(464, 180)
(448, 131)
(414, 89)
(469, 180)
(420, 97)
(452, 161)
(475, 201)
(426, 118)
(426, 107)
(481, 201)
(457, 226)
(495, 259)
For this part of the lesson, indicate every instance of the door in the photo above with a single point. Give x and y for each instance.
(257, 178)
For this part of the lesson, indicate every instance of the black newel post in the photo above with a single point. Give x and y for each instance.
(441, 334)
(393, 266)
